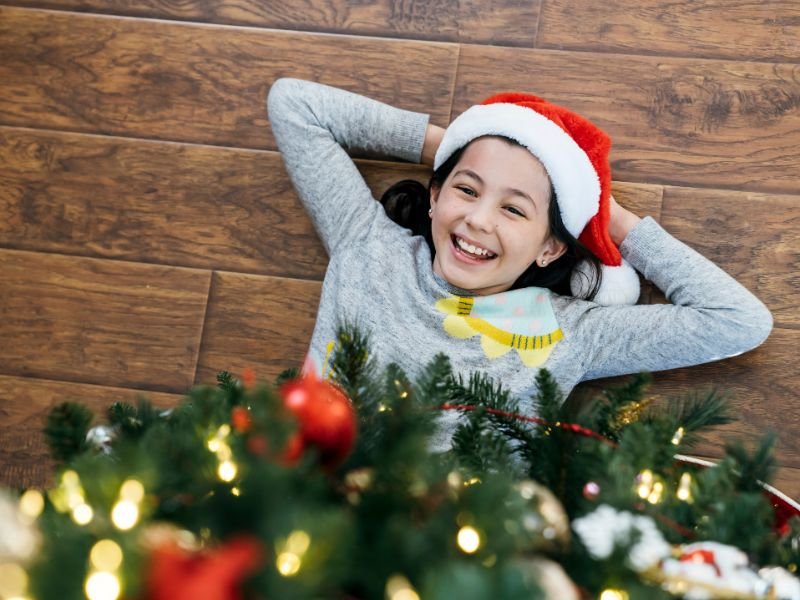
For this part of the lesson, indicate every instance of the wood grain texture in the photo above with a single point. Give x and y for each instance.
(264, 323)
(754, 237)
(24, 406)
(100, 321)
(702, 123)
(762, 386)
(733, 29)
(195, 83)
(499, 22)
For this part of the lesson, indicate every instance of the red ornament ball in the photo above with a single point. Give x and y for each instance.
(327, 419)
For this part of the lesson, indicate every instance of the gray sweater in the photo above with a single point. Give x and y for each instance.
(381, 278)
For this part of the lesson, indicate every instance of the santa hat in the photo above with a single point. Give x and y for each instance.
(574, 153)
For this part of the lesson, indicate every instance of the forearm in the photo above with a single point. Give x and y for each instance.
(433, 137)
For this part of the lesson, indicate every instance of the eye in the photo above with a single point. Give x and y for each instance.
(515, 211)
(466, 190)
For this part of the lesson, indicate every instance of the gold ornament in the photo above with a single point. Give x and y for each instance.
(629, 413)
(547, 522)
(550, 578)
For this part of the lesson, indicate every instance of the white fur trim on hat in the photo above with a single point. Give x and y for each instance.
(574, 178)
(619, 285)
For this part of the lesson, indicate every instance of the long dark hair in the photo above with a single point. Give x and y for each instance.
(407, 203)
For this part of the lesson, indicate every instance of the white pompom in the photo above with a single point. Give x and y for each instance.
(619, 285)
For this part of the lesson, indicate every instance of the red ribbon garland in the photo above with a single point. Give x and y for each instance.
(574, 428)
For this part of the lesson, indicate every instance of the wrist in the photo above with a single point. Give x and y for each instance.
(433, 137)
(621, 225)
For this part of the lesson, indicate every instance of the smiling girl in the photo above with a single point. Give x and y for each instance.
(515, 257)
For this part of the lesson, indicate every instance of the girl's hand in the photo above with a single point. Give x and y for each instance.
(621, 222)
(433, 137)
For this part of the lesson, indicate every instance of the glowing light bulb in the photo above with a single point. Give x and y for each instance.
(31, 504)
(102, 585)
(644, 483)
(685, 488)
(610, 594)
(298, 542)
(676, 439)
(236, 491)
(227, 470)
(69, 478)
(106, 555)
(469, 540)
(213, 444)
(132, 490)
(288, 564)
(125, 514)
(82, 514)
(399, 588)
(13, 580)
(655, 494)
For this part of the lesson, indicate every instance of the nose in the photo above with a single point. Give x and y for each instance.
(481, 217)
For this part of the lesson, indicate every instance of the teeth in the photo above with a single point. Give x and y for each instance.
(472, 249)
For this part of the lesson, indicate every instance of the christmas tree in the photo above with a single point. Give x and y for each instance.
(329, 489)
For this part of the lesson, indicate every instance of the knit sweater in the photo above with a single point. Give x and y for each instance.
(381, 279)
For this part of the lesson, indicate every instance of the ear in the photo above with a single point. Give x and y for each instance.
(552, 250)
(434, 194)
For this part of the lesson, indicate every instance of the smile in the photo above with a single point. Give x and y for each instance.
(470, 250)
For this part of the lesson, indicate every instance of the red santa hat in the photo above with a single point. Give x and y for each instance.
(574, 153)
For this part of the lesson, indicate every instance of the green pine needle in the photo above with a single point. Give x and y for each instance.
(66, 429)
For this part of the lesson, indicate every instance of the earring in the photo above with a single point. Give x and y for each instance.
(544, 263)
(430, 212)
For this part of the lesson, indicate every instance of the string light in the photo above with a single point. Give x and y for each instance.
(468, 539)
(399, 588)
(644, 483)
(125, 515)
(82, 514)
(611, 594)
(102, 585)
(676, 439)
(655, 495)
(31, 504)
(106, 555)
(290, 553)
(13, 580)
(236, 491)
(132, 490)
(685, 488)
(227, 470)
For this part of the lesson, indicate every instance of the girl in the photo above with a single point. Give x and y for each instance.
(523, 260)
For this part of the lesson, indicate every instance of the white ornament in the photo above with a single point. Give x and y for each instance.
(19, 537)
(606, 528)
(783, 585)
(101, 437)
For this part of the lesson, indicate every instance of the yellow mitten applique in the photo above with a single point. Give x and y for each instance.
(520, 319)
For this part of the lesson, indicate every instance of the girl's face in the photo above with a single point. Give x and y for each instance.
(489, 218)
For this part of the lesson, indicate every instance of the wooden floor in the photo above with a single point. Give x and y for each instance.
(149, 237)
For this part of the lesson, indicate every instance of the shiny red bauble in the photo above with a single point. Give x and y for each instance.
(326, 419)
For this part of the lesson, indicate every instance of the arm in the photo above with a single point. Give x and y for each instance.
(711, 317)
(314, 126)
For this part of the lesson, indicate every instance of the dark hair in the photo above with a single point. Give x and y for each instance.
(407, 203)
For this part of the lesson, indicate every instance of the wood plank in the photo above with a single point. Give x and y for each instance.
(674, 121)
(499, 22)
(762, 388)
(166, 203)
(755, 237)
(176, 204)
(100, 321)
(263, 323)
(195, 83)
(24, 405)
(734, 29)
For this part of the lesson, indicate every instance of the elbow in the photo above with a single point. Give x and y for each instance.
(277, 97)
(753, 328)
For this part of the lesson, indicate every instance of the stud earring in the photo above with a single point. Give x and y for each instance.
(544, 263)
(430, 212)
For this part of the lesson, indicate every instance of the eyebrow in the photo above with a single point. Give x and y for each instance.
(515, 191)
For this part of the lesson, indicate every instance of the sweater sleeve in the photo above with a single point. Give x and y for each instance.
(711, 315)
(315, 126)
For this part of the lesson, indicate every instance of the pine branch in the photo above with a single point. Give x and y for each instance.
(66, 429)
